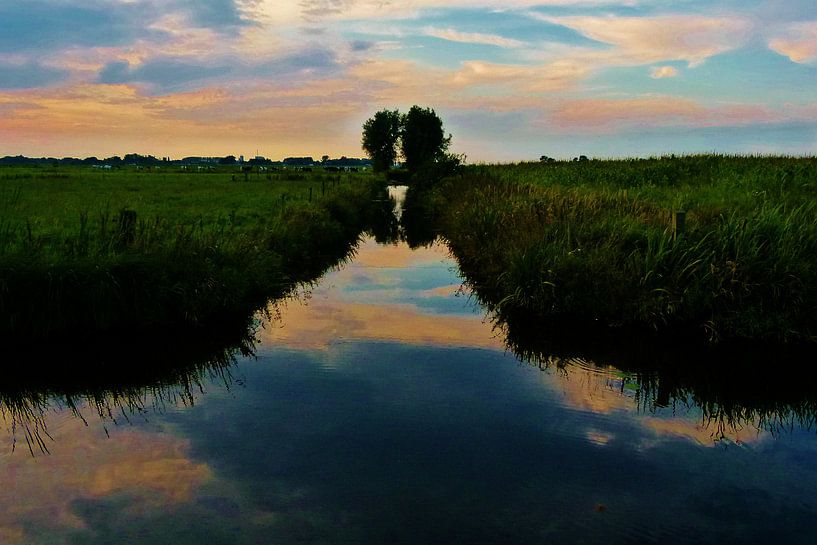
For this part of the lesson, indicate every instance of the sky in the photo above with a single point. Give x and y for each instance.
(511, 79)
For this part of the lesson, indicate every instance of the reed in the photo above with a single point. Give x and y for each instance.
(593, 242)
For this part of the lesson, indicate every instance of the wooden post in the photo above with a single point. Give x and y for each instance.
(323, 188)
(678, 223)
(310, 193)
(127, 227)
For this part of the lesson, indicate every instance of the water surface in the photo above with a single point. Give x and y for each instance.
(382, 407)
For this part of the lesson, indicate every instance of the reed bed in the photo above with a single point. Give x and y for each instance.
(592, 242)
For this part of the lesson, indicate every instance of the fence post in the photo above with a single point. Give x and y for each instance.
(679, 218)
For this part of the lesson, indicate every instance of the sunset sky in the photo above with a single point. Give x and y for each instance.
(512, 79)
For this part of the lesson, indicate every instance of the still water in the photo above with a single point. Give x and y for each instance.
(382, 407)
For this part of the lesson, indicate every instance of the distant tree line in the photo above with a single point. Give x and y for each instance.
(129, 159)
(134, 159)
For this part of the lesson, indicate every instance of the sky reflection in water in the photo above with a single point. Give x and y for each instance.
(383, 409)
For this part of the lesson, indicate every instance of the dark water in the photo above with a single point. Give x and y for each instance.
(382, 408)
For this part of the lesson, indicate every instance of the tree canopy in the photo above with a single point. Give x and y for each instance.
(380, 135)
(419, 133)
(423, 139)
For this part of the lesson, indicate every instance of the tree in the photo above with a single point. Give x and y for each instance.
(380, 135)
(423, 138)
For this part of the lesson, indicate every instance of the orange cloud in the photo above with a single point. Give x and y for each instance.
(604, 115)
(85, 464)
(327, 316)
(112, 119)
(704, 433)
(799, 42)
(319, 323)
(604, 390)
(585, 387)
(369, 254)
(660, 72)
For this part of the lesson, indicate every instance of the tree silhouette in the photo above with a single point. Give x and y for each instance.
(423, 138)
(380, 135)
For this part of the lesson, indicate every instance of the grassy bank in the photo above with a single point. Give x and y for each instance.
(592, 242)
(200, 246)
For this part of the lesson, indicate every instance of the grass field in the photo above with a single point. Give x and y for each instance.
(593, 242)
(200, 244)
(51, 208)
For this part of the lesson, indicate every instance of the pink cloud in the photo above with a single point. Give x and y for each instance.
(798, 42)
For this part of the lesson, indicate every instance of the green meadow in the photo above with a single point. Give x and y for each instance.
(50, 206)
(85, 249)
(596, 243)
(718, 247)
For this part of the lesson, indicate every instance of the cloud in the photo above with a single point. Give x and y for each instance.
(317, 61)
(690, 38)
(554, 76)
(606, 115)
(50, 25)
(452, 35)
(319, 9)
(707, 433)
(155, 470)
(362, 45)
(161, 73)
(660, 72)
(216, 14)
(165, 74)
(798, 42)
(29, 75)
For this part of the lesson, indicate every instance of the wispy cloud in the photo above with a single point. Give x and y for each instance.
(160, 73)
(472, 37)
(690, 38)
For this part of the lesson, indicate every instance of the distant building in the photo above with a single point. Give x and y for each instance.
(200, 160)
(299, 162)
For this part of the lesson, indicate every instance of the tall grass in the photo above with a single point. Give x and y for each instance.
(592, 242)
(201, 247)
